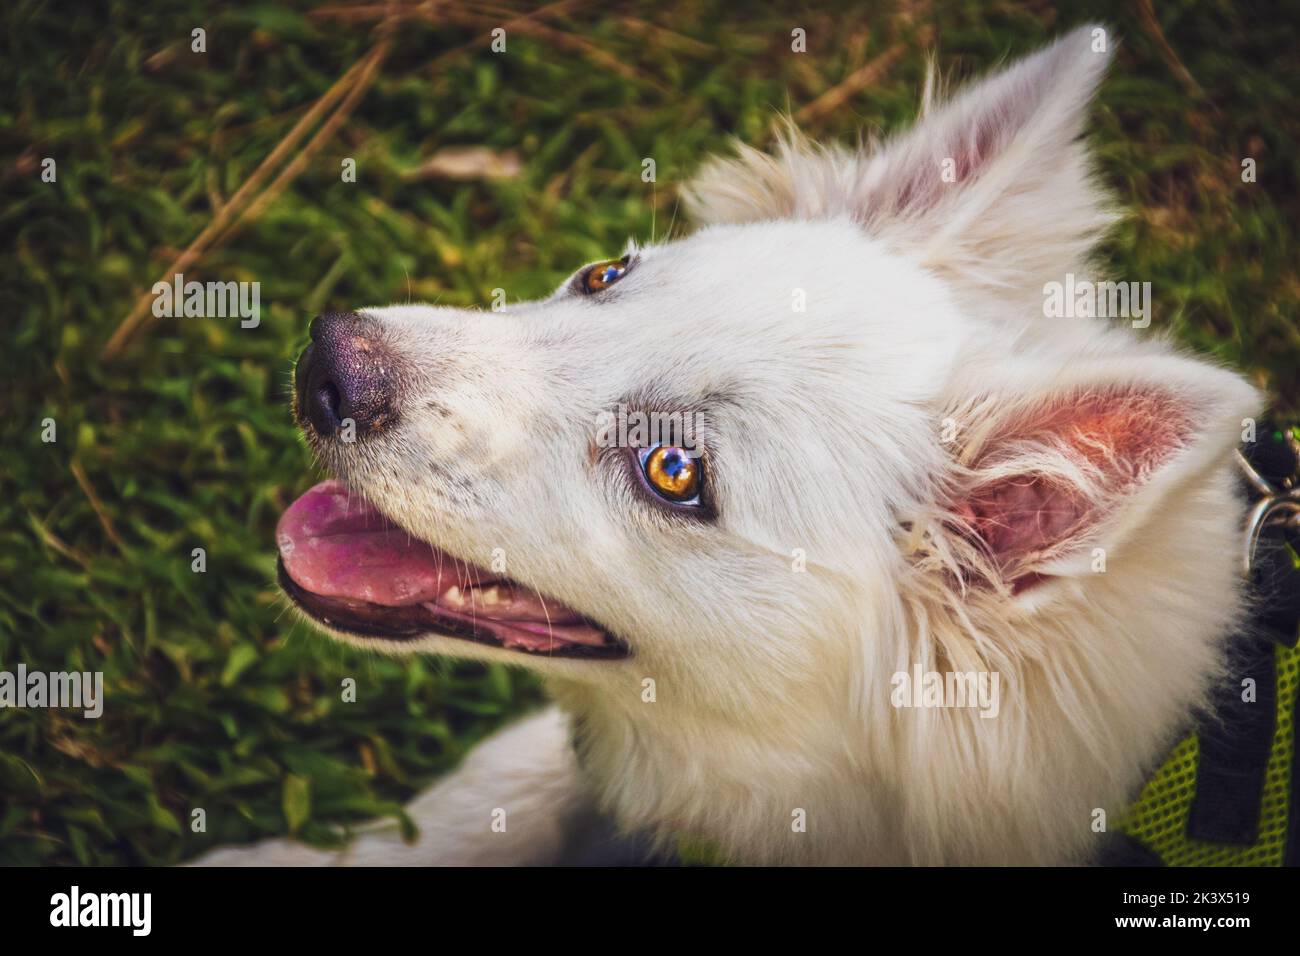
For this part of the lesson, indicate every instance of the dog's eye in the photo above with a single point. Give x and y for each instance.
(672, 473)
(602, 275)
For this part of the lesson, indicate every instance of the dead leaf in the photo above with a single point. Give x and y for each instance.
(468, 163)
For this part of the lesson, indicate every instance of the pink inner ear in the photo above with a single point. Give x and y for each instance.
(1019, 517)
(1121, 436)
(918, 189)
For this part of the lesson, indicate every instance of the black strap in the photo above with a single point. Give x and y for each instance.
(1277, 584)
(1236, 739)
(1122, 849)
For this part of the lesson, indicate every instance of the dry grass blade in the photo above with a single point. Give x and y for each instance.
(140, 315)
(487, 16)
(1147, 16)
(369, 68)
(55, 543)
(852, 84)
(105, 521)
(562, 40)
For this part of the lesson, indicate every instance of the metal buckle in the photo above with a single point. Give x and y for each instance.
(1275, 506)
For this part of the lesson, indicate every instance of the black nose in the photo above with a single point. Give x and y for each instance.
(346, 378)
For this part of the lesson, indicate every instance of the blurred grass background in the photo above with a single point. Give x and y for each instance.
(215, 697)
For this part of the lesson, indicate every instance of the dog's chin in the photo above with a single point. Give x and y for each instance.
(368, 581)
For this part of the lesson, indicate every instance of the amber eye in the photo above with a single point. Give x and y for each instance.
(672, 473)
(602, 275)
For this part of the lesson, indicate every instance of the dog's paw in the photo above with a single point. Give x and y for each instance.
(268, 853)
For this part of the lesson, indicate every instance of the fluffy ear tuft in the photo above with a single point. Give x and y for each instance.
(996, 186)
(993, 187)
(800, 181)
(1044, 475)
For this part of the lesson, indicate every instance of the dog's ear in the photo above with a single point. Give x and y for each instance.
(1046, 471)
(994, 186)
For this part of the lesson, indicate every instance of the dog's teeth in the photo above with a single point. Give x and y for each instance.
(452, 596)
(492, 596)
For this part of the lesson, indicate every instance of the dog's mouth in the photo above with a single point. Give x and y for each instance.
(350, 568)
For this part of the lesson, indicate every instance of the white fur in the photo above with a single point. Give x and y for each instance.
(527, 770)
(924, 302)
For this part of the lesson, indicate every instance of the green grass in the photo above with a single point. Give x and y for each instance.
(215, 698)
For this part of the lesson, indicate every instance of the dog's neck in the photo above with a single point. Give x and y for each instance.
(1112, 680)
(748, 789)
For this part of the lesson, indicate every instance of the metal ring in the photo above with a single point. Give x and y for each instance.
(1260, 515)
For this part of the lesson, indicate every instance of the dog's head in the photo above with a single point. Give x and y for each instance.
(738, 461)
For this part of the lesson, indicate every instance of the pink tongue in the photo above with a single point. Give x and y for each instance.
(336, 544)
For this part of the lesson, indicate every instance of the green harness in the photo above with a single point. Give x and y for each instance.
(1229, 794)
(1160, 818)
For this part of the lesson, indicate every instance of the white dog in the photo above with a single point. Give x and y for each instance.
(897, 465)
